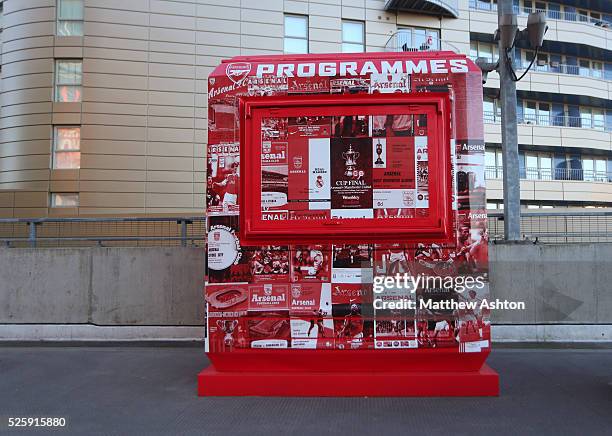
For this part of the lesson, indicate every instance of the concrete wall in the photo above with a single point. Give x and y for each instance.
(565, 284)
(560, 284)
(103, 286)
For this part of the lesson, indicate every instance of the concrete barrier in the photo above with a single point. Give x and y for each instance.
(103, 286)
(162, 286)
(560, 284)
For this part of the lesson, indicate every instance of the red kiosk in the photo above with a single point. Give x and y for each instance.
(330, 176)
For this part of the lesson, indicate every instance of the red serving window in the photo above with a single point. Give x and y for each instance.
(346, 168)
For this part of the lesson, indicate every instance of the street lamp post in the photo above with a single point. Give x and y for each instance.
(507, 35)
(511, 172)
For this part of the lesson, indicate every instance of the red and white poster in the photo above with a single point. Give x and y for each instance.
(352, 263)
(311, 263)
(389, 83)
(223, 178)
(312, 325)
(270, 263)
(226, 260)
(268, 323)
(353, 316)
(395, 319)
(309, 174)
(351, 178)
(267, 86)
(226, 309)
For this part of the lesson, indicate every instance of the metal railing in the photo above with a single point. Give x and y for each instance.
(572, 70)
(557, 227)
(84, 232)
(583, 122)
(492, 172)
(409, 40)
(557, 68)
(552, 14)
(545, 227)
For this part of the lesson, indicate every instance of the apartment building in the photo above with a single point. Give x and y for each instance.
(103, 104)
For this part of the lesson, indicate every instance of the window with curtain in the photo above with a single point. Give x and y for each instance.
(353, 36)
(296, 34)
(67, 147)
(69, 17)
(68, 80)
(64, 199)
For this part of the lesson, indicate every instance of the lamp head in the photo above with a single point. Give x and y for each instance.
(507, 30)
(536, 28)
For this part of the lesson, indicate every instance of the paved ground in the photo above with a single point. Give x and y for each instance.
(132, 390)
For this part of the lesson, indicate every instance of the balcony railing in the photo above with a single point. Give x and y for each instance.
(409, 40)
(553, 15)
(554, 120)
(493, 172)
(573, 70)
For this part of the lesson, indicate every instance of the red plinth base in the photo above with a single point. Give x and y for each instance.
(484, 382)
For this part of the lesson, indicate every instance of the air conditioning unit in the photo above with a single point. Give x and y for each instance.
(541, 63)
(555, 64)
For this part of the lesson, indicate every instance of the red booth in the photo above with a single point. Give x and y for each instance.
(347, 231)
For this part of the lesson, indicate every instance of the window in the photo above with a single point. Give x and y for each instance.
(64, 199)
(67, 148)
(599, 119)
(597, 69)
(69, 17)
(531, 164)
(494, 163)
(418, 39)
(538, 166)
(530, 112)
(68, 78)
(544, 114)
(585, 67)
(586, 120)
(353, 36)
(545, 167)
(488, 108)
(296, 34)
(483, 50)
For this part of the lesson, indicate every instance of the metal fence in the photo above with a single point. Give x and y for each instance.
(604, 21)
(544, 227)
(584, 122)
(557, 227)
(84, 232)
(529, 173)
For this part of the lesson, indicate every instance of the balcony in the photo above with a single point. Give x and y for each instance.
(411, 41)
(446, 8)
(554, 131)
(492, 172)
(553, 15)
(555, 120)
(556, 185)
(561, 26)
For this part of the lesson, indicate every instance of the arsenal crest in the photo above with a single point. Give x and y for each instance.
(238, 71)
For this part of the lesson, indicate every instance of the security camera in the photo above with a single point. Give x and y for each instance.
(536, 28)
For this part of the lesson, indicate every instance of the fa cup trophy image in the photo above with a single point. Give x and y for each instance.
(350, 157)
(379, 151)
